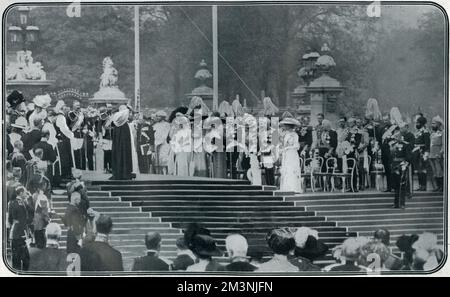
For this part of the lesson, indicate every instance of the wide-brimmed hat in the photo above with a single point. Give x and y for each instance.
(204, 245)
(161, 114)
(42, 101)
(15, 98)
(21, 123)
(290, 121)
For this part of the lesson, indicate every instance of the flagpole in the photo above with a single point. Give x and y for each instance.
(215, 59)
(137, 95)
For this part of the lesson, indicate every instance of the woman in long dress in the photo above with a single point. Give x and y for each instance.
(290, 162)
(181, 145)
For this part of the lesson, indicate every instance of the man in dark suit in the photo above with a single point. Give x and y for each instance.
(51, 258)
(18, 218)
(151, 262)
(75, 222)
(99, 255)
(32, 137)
(49, 154)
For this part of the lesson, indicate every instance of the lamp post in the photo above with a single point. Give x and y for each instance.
(22, 33)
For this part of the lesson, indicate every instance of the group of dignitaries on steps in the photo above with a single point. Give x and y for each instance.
(376, 148)
(47, 147)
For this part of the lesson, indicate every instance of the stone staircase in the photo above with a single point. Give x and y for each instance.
(364, 212)
(130, 225)
(235, 206)
(224, 207)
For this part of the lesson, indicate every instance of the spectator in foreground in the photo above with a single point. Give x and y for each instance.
(307, 249)
(427, 254)
(18, 217)
(392, 262)
(185, 257)
(99, 255)
(373, 255)
(348, 253)
(204, 247)
(404, 244)
(151, 262)
(50, 258)
(237, 248)
(281, 242)
(256, 255)
(74, 222)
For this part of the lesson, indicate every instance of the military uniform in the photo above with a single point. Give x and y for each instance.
(401, 156)
(354, 137)
(146, 142)
(437, 158)
(420, 156)
(77, 124)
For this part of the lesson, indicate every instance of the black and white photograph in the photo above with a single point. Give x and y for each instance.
(224, 138)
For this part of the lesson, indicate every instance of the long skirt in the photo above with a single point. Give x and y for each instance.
(199, 164)
(290, 179)
(219, 165)
(182, 163)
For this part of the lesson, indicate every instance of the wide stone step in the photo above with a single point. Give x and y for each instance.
(173, 182)
(364, 201)
(143, 230)
(256, 225)
(405, 228)
(359, 195)
(95, 204)
(126, 220)
(190, 192)
(236, 208)
(380, 217)
(229, 220)
(387, 210)
(91, 192)
(369, 206)
(180, 187)
(166, 236)
(200, 197)
(209, 203)
(105, 210)
(391, 221)
(91, 198)
(233, 213)
(251, 234)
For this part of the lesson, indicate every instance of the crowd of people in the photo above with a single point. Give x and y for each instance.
(48, 146)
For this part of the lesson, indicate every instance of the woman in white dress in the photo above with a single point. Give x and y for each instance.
(290, 179)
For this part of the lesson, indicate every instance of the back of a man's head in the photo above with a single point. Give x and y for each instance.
(383, 236)
(104, 224)
(53, 232)
(153, 240)
(236, 245)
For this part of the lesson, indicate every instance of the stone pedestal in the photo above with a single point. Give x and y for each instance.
(317, 106)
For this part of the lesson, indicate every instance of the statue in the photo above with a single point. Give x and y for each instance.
(109, 75)
(25, 69)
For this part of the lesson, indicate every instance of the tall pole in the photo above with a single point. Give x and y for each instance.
(215, 59)
(137, 95)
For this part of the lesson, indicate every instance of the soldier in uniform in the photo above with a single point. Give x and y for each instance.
(104, 130)
(64, 135)
(77, 124)
(386, 130)
(355, 138)
(401, 157)
(305, 137)
(421, 152)
(145, 142)
(437, 153)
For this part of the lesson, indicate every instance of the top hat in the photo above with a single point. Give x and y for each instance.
(15, 98)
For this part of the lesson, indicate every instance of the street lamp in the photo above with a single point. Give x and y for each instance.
(23, 32)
